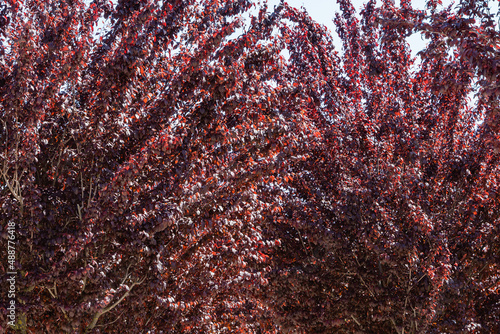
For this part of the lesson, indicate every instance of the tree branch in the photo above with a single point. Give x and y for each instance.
(111, 307)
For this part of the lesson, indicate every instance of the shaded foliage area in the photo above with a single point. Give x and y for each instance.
(177, 174)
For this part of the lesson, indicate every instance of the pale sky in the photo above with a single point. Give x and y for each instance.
(323, 11)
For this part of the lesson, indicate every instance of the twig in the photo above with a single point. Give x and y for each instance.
(395, 327)
(109, 323)
(126, 274)
(111, 307)
(53, 294)
(356, 321)
(369, 289)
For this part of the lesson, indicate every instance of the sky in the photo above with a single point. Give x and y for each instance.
(323, 11)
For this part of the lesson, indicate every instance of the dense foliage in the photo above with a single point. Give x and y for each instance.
(173, 172)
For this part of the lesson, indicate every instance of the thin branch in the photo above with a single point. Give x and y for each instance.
(356, 321)
(109, 323)
(302, 241)
(111, 307)
(54, 292)
(364, 283)
(14, 186)
(395, 327)
(126, 274)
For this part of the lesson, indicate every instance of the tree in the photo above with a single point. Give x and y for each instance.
(392, 222)
(130, 163)
(470, 36)
(175, 173)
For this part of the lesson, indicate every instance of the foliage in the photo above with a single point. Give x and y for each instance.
(177, 174)
(392, 222)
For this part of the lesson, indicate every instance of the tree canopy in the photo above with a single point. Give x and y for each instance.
(177, 173)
